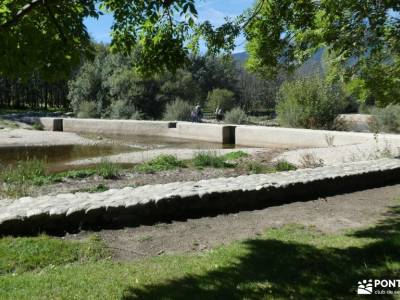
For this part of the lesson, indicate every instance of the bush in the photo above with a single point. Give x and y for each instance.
(160, 163)
(221, 98)
(87, 110)
(236, 116)
(121, 109)
(178, 110)
(386, 119)
(309, 103)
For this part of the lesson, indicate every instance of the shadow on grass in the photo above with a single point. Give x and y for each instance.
(274, 269)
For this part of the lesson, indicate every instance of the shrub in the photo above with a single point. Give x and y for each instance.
(178, 110)
(221, 98)
(121, 109)
(108, 170)
(386, 119)
(309, 103)
(236, 116)
(87, 110)
(160, 163)
(210, 159)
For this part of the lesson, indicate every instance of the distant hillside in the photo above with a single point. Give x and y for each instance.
(240, 57)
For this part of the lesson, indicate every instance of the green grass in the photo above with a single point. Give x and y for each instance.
(75, 174)
(19, 255)
(160, 163)
(255, 167)
(210, 159)
(16, 181)
(201, 160)
(37, 126)
(23, 171)
(108, 170)
(8, 124)
(283, 165)
(292, 262)
(235, 155)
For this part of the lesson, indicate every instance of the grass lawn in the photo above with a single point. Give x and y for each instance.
(291, 262)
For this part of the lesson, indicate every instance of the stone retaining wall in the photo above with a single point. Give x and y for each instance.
(180, 200)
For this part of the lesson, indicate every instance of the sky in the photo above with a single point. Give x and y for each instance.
(213, 10)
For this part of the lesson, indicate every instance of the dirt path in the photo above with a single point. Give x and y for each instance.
(330, 214)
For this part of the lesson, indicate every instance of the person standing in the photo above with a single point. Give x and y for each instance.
(199, 113)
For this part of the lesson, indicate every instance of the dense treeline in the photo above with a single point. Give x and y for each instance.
(109, 86)
(33, 93)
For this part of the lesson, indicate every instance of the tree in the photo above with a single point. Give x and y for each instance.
(221, 98)
(284, 33)
(49, 35)
(360, 35)
(310, 102)
(211, 73)
(256, 93)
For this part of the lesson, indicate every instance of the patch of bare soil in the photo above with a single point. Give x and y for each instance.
(330, 214)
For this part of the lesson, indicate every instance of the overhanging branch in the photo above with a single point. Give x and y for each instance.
(26, 9)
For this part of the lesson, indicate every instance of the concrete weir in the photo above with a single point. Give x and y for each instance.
(251, 136)
(185, 130)
(180, 200)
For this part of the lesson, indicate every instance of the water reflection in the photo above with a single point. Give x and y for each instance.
(57, 156)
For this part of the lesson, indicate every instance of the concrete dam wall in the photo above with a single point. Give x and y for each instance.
(243, 135)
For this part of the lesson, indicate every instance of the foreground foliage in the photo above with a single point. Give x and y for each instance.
(289, 262)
